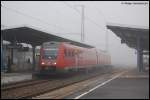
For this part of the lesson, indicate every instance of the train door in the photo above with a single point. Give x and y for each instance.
(76, 62)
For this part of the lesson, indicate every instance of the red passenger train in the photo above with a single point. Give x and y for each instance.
(65, 56)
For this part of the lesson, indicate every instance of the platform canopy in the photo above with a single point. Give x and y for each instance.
(34, 36)
(129, 34)
(135, 37)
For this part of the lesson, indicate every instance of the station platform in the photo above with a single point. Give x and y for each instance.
(8, 78)
(130, 85)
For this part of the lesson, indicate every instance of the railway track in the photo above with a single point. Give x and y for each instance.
(21, 84)
(37, 87)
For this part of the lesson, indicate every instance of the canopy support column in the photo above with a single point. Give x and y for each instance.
(139, 54)
(33, 58)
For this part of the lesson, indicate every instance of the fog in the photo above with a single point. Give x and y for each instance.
(63, 18)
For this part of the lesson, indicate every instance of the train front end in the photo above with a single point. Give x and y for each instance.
(48, 57)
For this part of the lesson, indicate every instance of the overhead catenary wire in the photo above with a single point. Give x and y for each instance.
(60, 28)
(29, 16)
(86, 17)
(107, 35)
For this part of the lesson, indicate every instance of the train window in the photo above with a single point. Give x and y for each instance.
(65, 52)
(50, 53)
(69, 54)
(72, 53)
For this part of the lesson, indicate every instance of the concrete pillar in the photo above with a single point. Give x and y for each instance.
(139, 54)
(2, 66)
(12, 54)
(33, 56)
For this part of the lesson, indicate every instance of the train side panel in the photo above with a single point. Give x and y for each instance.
(72, 57)
(69, 56)
(60, 57)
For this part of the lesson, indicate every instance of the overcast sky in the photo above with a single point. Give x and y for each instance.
(64, 19)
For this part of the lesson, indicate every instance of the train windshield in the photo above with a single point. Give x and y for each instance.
(50, 50)
(50, 53)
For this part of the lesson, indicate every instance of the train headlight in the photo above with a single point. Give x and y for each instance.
(54, 63)
(42, 63)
